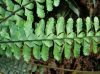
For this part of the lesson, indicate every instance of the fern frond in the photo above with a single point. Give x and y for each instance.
(57, 35)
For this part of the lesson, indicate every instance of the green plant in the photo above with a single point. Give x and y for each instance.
(18, 38)
(17, 28)
(60, 33)
(28, 5)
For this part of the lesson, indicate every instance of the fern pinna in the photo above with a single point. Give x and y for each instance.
(19, 39)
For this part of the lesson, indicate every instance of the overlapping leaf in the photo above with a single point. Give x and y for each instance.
(60, 34)
(49, 35)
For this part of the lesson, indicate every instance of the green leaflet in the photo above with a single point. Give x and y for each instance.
(60, 30)
(22, 35)
(30, 6)
(18, 1)
(86, 46)
(28, 28)
(81, 35)
(49, 35)
(49, 43)
(2, 12)
(49, 32)
(67, 50)
(60, 42)
(71, 35)
(20, 12)
(69, 28)
(16, 51)
(14, 31)
(36, 51)
(57, 52)
(8, 13)
(24, 2)
(29, 14)
(96, 24)
(49, 5)
(76, 49)
(60, 25)
(91, 33)
(40, 10)
(97, 33)
(8, 52)
(56, 3)
(26, 53)
(10, 5)
(31, 37)
(50, 26)
(88, 24)
(79, 25)
(77, 41)
(3, 46)
(60, 34)
(40, 1)
(38, 42)
(19, 21)
(4, 34)
(19, 44)
(89, 27)
(20, 25)
(95, 45)
(45, 52)
(39, 31)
